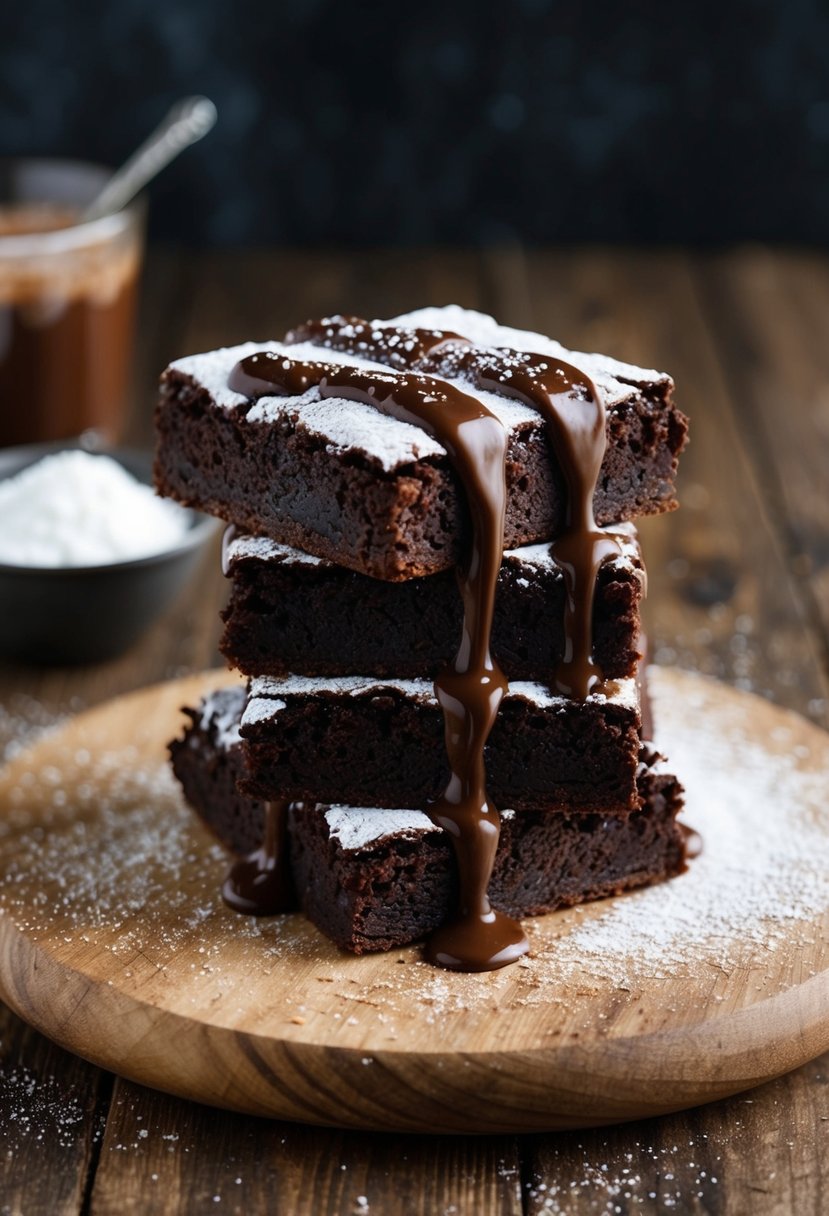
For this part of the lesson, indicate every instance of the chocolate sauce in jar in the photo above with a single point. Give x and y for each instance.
(470, 690)
(261, 884)
(66, 325)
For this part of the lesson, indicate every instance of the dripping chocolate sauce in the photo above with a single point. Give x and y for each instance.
(470, 690)
(574, 415)
(573, 411)
(261, 884)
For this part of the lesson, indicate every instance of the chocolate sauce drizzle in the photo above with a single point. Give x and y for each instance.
(261, 884)
(471, 689)
(573, 411)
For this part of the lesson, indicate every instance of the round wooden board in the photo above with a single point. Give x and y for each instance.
(115, 943)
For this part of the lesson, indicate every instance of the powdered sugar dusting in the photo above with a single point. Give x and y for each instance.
(270, 694)
(763, 865)
(24, 719)
(263, 549)
(222, 710)
(539, 556)
(530, 557)
(484, 330)
(355, 827)
(352, 426)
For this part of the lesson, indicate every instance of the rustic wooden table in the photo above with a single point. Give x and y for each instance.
(739, 584)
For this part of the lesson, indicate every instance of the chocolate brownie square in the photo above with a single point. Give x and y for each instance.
(292, 612)
(373, 880)
(379, 742)
(343, 481)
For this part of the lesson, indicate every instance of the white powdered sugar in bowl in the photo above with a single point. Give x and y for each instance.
(74, 509)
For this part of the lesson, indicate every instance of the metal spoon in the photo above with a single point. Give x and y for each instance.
(187, 122)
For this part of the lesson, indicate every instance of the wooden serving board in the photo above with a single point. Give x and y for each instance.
(114, 942)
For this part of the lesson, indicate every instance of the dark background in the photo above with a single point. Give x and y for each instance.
(456, 122)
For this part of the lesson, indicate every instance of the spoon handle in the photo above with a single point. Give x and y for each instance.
(188, 121)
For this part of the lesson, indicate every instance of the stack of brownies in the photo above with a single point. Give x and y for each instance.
(435, 592)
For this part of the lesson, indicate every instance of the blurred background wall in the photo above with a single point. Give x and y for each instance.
(454, 121)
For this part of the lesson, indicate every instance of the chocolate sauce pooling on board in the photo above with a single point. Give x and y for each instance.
(471, 689)
(260, 884)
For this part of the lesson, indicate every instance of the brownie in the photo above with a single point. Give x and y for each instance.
(345, 482)
(291, 612)
(373, 885)
(371, 742)
(375, 879)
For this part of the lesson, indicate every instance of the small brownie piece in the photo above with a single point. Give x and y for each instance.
(376, 879)
(379, 742)
(291, 612)
(343, 481)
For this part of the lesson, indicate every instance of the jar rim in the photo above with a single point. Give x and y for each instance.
(75, 236)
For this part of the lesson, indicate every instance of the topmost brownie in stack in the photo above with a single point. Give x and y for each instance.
(354, 452)
(377, 495)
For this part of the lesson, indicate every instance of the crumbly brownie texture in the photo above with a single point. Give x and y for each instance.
(340, 480)
(376, 879)
(290, 612)
(362, 741)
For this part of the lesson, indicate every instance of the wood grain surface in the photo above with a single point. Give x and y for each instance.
(741, 596)
(114, 942)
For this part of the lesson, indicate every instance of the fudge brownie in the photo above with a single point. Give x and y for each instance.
(376, 879)
(343, 481)
(370, 883)
(379, 742)
(291, 612)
